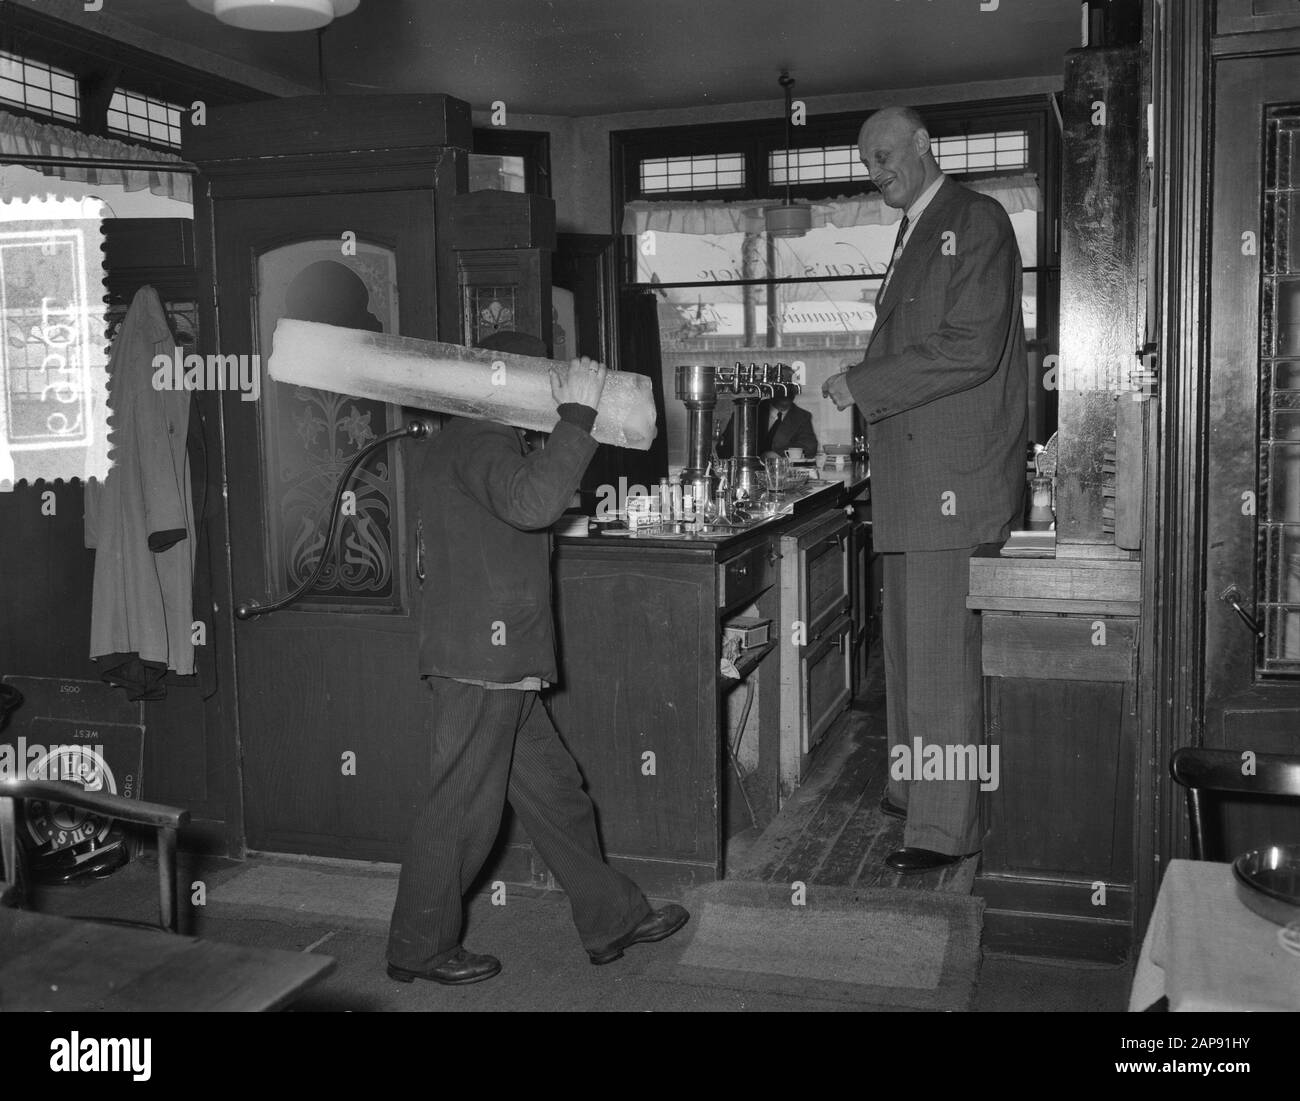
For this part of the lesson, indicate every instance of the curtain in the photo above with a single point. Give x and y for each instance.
(1015, 193)
(27, 137)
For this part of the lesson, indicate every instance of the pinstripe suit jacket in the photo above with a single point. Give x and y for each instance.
(942, 383)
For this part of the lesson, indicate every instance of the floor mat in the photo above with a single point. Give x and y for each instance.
(877, 946)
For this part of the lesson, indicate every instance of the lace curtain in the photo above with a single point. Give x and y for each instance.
(1015, 193)
(21, 136)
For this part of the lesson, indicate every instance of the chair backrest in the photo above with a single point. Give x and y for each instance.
(165, 820)
(10, 700)
(9, 887)
(1234, 772)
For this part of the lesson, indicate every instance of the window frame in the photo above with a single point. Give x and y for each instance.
(146, 139)
(54, 70)
(104, 65)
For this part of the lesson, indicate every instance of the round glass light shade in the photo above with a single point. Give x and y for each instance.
(787, 221)
(276, 15)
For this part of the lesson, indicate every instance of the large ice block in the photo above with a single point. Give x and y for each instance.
(450, 378)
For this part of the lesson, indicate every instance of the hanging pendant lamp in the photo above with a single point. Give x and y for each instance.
(276, 15)
(787, 219)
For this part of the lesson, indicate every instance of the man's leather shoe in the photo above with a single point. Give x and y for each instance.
(458, 970)
(656, 925)
(922, 860)
(891, 808)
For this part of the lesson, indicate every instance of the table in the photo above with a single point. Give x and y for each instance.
(1204, 950)
(62, 964)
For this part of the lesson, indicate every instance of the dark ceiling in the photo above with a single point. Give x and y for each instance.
(595, 57)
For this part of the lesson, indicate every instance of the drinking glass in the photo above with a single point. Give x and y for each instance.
(777, 468)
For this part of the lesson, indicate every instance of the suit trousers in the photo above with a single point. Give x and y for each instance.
(491, 745)
(933, 691)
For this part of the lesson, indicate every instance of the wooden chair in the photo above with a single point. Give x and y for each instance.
(165, 820)
(1220, 770)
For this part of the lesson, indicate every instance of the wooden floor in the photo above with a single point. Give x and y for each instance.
(832, 831)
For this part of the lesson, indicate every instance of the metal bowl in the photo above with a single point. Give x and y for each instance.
(1268, 882)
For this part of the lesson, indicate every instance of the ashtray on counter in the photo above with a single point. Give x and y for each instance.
(1268, 882)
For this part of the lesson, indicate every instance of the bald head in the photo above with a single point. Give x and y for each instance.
(894, 144)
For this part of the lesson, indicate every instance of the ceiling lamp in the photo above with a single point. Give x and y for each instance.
(276, 15)
(787, 220)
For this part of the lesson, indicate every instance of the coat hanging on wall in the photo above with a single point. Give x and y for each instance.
(140, 521)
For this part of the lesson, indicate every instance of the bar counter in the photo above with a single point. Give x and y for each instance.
(644, 706)
(829, 489)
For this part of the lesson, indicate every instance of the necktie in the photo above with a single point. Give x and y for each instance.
(771, 432)
(898, 251)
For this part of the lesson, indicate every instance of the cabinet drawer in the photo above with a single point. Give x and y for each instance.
(1036, 647)
(815, 582)
(743, 577)
(826, 668)
(826, 580)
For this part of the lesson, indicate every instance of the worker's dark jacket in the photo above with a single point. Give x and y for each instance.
(486, 507)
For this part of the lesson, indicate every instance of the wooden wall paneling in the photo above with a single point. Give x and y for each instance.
(47, 576)
(1055, 919)
(1064, 804)
(1101, 648)
(361, 127)
(1252, 16)
(1099, 227)
(1084, 585)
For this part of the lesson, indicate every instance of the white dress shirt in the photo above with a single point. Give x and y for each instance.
(913, 213)
(917, 208)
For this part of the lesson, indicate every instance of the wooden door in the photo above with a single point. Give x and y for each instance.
(1252, 680)
(332, 710)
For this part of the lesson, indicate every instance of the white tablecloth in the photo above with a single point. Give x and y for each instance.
(1204, 950)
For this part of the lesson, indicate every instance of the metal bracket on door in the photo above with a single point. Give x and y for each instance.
(1145, 380)
(419, 428)
(1231, 596)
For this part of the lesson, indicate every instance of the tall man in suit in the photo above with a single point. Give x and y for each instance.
(942, 389)
(487, 651)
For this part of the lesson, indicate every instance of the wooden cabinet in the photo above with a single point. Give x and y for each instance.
(816, 643)
(639, 703)
(503, 243)
(1059, 654)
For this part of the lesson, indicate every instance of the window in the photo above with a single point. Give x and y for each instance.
(34, 86)
(969, 153)
(960, 155)
(510, 160)
(145, 118)
(490, 172)
(833, 162)
(715, 172)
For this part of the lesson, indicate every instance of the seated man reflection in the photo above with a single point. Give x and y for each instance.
(781, 425)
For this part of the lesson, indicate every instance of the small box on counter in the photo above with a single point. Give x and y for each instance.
(749, 632)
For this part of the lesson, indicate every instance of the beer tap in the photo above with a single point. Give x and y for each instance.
(698, 387)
